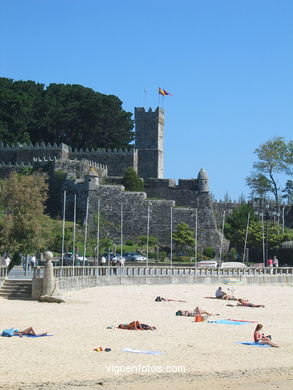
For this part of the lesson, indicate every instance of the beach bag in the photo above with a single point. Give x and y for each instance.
(8, 332)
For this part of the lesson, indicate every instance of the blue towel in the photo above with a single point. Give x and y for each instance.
(140, 351)
(254, 343)
(229, 322)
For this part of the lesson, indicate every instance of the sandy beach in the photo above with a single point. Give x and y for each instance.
(192, 354)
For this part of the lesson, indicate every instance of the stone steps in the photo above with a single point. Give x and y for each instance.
(16, 289)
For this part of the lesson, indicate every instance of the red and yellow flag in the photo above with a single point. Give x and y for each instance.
(164, 92)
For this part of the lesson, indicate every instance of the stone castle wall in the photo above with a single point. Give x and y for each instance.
(115, 160)
(135, 210)
(186, 193)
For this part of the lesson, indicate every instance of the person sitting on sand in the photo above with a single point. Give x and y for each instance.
(244, 302)
(220, 294)
(136, 325)
(261, 338)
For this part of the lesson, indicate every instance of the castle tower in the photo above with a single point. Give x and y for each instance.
(203, 181)
(149, 137)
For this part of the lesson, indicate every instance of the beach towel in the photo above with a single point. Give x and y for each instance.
(229, 322)
(140, 351)
(254, 344)
(231, 319)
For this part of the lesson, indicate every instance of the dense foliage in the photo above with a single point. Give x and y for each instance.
(131, 181)
(183, 238)
(72, 114)
(24, 227)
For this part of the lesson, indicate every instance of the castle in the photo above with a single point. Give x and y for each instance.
(96, 176)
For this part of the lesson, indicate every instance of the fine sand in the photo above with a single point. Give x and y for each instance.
(197, 354)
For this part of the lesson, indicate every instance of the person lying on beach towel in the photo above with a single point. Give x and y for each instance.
(161, 299)
(244, 302)
(26, 332)
(136, 325)
(261, 338)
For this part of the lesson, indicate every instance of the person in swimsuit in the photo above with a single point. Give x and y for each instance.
(244, 302)
(135, 325)
(28, 331)
(261, 338)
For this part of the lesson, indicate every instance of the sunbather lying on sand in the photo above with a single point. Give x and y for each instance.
(244, 302)
(136, 325)
(161, 299)
(28, 332)
(197, 311)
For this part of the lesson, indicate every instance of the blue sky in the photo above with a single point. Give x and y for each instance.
(227, 63)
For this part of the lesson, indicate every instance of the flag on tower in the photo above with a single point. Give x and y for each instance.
(164, 92)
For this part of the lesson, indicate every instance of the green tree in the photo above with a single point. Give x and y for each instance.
(259, 185)
(274, 157)
(183, 237)
(288, 191)
(131, 181)
(23, 225)
(236, 223)
(209, 252)
(73, 114)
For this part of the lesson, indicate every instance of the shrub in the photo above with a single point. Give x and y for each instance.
(209, 252)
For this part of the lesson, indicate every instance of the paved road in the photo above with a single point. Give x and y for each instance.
(18, 273)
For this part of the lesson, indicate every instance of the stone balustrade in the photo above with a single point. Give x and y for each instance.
(160, 271)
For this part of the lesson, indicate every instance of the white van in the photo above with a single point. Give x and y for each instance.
(233, 264)
(207, 264)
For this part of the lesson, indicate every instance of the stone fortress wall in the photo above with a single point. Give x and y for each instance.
(88, 171)
(115, 160)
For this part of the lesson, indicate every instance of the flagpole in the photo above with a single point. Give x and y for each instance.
(222, 235)
(148, 233)
(159, 97)
(98, 234)
(85, 233)
(74, 230)
(246, 234)
(145, 93)
(195, 243)
(171, 238)
(63, 228)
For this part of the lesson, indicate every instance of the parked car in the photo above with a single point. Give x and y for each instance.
(138, 257)
(207, 264)
(134, 256)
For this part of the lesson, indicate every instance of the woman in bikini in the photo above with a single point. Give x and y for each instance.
(28, 332)
(136, 325)
(244, 302)
(261, 338)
